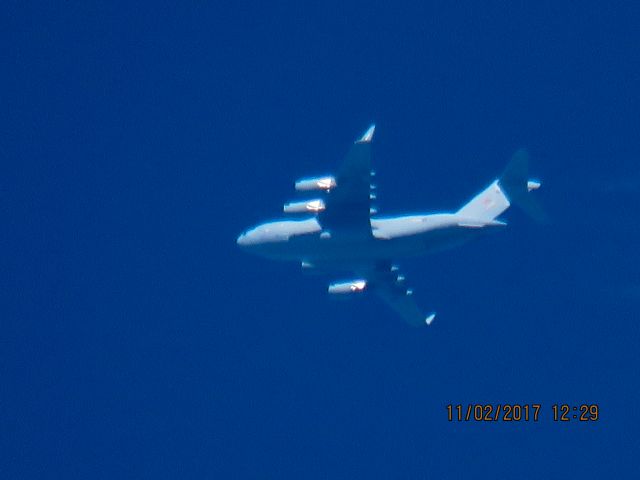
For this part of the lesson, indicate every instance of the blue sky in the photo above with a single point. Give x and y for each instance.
(139, 140)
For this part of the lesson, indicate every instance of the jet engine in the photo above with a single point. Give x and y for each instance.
(346, 288)
(304, 206)
(315, 183)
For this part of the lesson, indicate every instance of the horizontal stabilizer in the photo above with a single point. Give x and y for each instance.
(516, 185)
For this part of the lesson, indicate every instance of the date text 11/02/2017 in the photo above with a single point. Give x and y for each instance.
(528, 412)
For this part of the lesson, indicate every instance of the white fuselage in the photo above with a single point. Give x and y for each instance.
(392, 237)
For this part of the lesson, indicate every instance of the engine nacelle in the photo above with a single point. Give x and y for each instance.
(315, 183)
(345, 288)
(304, 206)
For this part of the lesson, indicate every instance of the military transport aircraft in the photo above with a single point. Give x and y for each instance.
(341, 231)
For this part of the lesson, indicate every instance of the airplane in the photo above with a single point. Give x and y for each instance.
(342, 232)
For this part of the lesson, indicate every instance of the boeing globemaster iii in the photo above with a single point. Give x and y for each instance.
(340, 231)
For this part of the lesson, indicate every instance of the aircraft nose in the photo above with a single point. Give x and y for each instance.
(246, 239)
(242, 240)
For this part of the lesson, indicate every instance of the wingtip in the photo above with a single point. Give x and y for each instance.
(368, 135)
(430, 318)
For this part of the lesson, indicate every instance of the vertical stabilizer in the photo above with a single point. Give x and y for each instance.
(512, 187)
(487, 205)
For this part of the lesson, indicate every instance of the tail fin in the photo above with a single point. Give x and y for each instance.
(511, 187)
(516, 186)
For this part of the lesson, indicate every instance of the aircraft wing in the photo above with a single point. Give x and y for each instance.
(347, 205)
(386, 281)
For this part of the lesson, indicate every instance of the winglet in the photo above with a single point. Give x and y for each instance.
(430, 318)
(368, 135)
